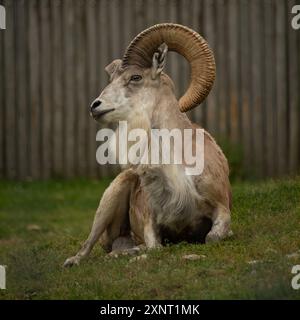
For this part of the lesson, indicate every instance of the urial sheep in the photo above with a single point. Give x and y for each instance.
(146, 204)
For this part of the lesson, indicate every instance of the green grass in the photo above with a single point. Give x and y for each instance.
(265, 221)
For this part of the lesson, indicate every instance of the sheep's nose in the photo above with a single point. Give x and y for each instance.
(95, 104)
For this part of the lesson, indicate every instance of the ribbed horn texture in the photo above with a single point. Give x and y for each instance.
(187, 43)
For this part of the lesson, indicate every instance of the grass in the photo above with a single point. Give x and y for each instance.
(266, 220)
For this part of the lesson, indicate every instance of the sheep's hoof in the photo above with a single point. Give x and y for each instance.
(212, 238)
(70, 262)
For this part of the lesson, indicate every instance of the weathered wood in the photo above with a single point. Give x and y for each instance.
(210, 29)
(69, 87)
(281, 89)
(244, 52)
(196, 23)
(114, 18)
(233, 69)
(140, 14)
(52, 59)
(128, 27)
(294, 98)
(10, 93)
(81, 105)
(257, 85)
(21, 91)
(2, 109)
(222, 63)
(270, 87)
(57, 88)
(35, 90)
(46, 100)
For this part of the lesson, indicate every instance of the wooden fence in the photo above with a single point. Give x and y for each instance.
(52, 59)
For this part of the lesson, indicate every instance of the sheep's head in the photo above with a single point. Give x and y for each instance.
(136, 80)
(131, 89)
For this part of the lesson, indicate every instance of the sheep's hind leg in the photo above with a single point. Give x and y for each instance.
(221, 225)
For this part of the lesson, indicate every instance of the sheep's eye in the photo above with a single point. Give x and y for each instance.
(136, 78)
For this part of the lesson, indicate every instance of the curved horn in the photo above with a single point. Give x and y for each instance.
(187, 43)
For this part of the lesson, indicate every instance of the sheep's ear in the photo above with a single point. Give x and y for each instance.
(113, 67)
(159, 60)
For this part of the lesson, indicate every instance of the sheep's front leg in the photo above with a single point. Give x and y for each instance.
(151, 236)
(221, 225)
(112, 209)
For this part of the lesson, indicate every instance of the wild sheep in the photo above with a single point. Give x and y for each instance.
(145, 204)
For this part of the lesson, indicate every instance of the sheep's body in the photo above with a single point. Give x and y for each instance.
(182, 206)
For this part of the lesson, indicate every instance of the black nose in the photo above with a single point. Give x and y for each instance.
(95, 104)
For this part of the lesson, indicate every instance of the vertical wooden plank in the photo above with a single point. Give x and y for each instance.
(121, 24)
(2, 106)
(226, 112)
(298, 49)
(57, 87)
(233, 69)
(222, 80)
(81, 103)
(27, 88)
(114, 14)
(69, 93)
(140, 15)
(45, 76)
(239, 76)
(95, 52)
(201, 22)
(129, 25)
(245, 82)
(294, 100)
(159, 8)
(263, 111)
(10, 94)
(22, 89)
(210, 27)
(35, 102)
(270, 86)
(281, 90)
(257, 83)
(191, 19)
(152, 17)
